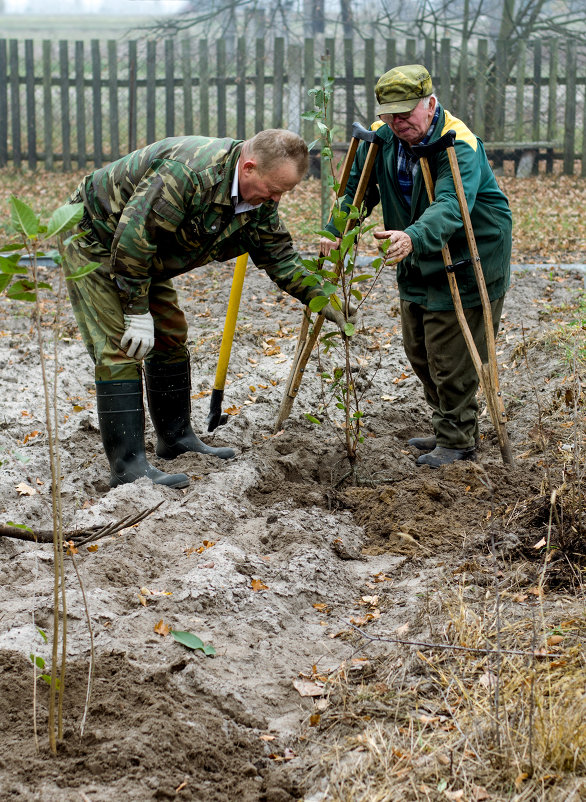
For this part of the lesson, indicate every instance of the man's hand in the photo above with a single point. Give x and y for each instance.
(400, 244)
(337, 315)
(139, 335)
(327, 245)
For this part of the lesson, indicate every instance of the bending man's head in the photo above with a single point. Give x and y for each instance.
(271, 163)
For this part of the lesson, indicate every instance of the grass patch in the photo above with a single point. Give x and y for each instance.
(462, 726)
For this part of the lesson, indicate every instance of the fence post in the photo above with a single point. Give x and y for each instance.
(349, 75)
(308, 83)
(411, 51)
(520, 91)
(80, 105)
(204, 97)
(391, 58)
(278, 81)
(97, 101)
(480, 88)
(259, 93)
(325, 174)
(31, 121)
(65, 118)
(151, 92)
(500, 90)
(241, 88)
(47, 106)
(536, 121)
(3, 105)
(221, 87)
(187, 96)
(113, 100)
(132, 96)
(552, 91)
(169, 87)
(330, 51)
(294, 86)
(15, 103)
(464, 110)
(369, 79)
(570, 109)
(445, 79)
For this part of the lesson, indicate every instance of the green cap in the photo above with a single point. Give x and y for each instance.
(400, 89)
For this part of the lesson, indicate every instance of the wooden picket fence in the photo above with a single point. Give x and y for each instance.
(79, 103)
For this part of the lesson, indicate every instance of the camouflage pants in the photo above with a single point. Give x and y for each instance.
(439, 356)
(100, 318)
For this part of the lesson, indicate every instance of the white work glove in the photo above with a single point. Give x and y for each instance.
(139, 335)
(337, 315)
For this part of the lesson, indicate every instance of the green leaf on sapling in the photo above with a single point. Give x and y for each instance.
(83, 271)
(317, 304)
(23, 217)
(37, 660)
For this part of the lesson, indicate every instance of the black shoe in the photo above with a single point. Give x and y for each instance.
(121, 417)
(445, 456)
(423, 443)
(168, 393)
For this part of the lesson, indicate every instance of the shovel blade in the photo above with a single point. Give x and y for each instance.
(215, 416)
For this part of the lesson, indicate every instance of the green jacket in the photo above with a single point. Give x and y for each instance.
(166, 209)
(421, 276)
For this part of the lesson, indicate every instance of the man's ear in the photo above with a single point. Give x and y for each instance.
(248, 166)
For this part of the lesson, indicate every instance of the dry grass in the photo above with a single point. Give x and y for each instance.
(463, 726)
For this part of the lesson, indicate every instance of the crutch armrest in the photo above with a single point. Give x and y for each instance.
(445, 141)
(365, 134)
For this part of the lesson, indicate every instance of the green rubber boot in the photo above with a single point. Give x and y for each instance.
(423, 443)
(121, 417)
(168, 394)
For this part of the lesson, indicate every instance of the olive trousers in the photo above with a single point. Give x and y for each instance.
(100, 318)
(438, 354)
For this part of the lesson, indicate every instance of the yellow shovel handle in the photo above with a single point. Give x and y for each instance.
(230, 323)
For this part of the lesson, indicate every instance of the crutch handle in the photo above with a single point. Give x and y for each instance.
(365, 134)
(444, 142)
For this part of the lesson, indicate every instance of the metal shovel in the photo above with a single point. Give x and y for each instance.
(216, 417)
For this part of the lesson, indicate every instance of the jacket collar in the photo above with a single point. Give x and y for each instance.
(385, 133)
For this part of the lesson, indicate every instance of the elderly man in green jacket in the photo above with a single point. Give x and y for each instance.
(152, 215)
(416, 230)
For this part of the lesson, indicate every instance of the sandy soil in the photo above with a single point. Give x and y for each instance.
(266, 557)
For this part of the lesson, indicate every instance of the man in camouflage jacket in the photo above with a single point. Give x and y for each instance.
(152, 215)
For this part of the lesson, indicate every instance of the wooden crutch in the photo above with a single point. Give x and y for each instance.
(307, 340)
(487, 372)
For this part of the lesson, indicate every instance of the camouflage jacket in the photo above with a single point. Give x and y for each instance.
(166, 209)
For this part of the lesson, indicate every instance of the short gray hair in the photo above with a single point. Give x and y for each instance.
(272, 146)
(426, 100)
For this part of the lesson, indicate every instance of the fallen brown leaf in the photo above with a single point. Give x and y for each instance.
(162, 628)
(306, 688)
(25, 490)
